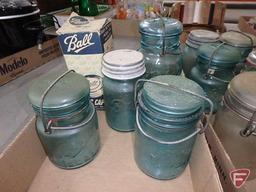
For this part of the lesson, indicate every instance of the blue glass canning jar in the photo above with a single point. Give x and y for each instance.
(161, 47)
(169, 108)
(66, 120)
(195, 39)
(121, 69)
(215, 69)
(241, 41)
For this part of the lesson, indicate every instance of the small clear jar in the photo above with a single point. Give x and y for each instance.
(241, 41)
(250, 63)
(215, 69)
(235, 122)
(121, 69)
(195, 39)
(161, 47)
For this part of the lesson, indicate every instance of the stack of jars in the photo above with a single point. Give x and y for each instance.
(196, 38)
(160, 46)
(215, 69)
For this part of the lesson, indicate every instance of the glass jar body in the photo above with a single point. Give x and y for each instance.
(241, 150)
(163, 161)
(71, 148)
(119, 103)
(214, 88)
(189, 59)
(158, 64)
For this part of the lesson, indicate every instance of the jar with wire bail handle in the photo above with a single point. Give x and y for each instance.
(215, 69)
(121, 69)
(196, 38)
(161, 47)
(235, 122)
(66, 120)
(241, 41)
(168, 111)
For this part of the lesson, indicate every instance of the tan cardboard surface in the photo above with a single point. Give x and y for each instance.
(126, 28)
(224, 164)
(21, 160)
(24, 61)
(114, 169)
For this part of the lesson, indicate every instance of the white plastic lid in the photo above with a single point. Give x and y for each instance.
(200, 36)
(123, 64)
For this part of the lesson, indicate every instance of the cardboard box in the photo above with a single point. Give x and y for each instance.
(127, 28)
(83, 42)
(224, 164)
(113, 169)
(18, 64)
(244, 26)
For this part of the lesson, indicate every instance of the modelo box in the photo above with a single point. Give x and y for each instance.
(83, 41)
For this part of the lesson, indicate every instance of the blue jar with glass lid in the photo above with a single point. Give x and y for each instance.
(195, 39)
(243, 42)
(66, 120)
(168, 110)
(160, 46)
(121, 69)
(215, 69)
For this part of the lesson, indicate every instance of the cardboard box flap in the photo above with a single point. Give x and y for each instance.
(224, 164)
(203, 171)
(21, 160)
(76, 24)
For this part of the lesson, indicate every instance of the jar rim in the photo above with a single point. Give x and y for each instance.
(123, 64)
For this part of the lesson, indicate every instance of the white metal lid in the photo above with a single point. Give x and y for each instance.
(123, 64)
(200, 36)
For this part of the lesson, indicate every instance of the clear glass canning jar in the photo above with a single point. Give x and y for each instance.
(215, 69)
(166, 119)
(161, 47)
(195, 39)
(235, 122)
(66, 120)
(250, 63)
(121, 69)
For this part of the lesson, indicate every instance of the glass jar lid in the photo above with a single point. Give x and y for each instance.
(224, 56)
(123, 64)
(69, 91)
(241, 94)
(161, 27)
(172, 102)
(200, 36)
(16, 8)
(238, 39)
(251, 59)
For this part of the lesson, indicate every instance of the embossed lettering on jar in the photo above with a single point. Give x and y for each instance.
(66, 120)
(196, 38)
(161, 47)
(166, 126)
(215, 69)
(121, 69)
(236, 121)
